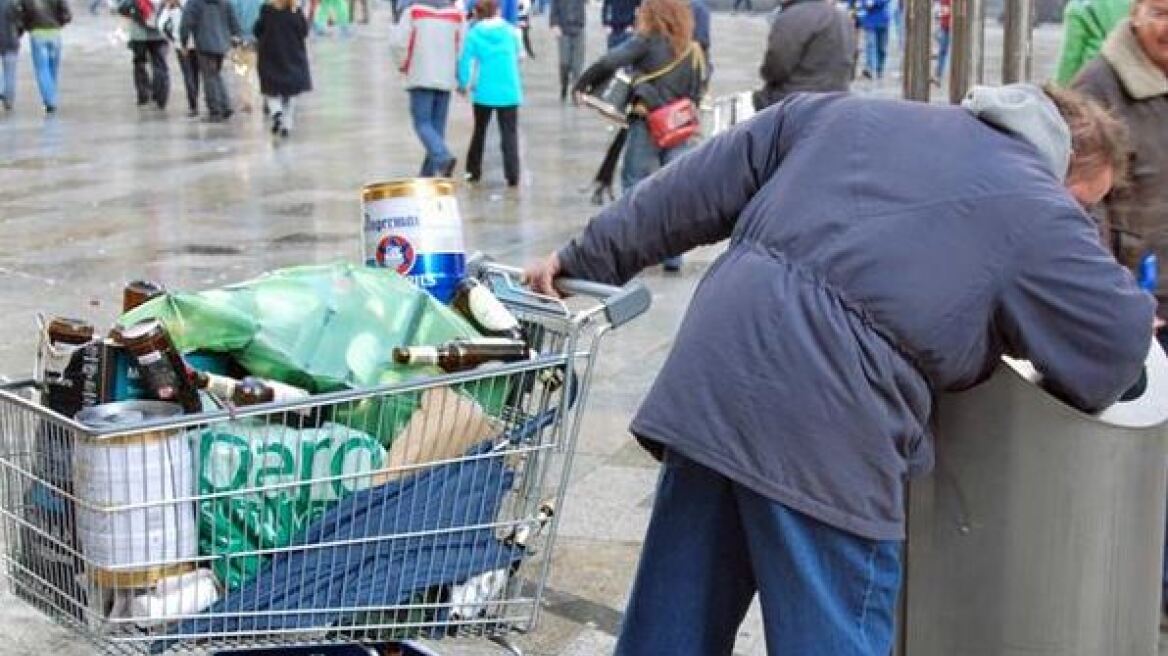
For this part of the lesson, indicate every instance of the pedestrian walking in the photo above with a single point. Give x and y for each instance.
(618, 17)
(667, 65)
(10, 31)
(568, 18)
(44, 20)
(280, 32)
(810, 48)
(243, 55)
(863, 277)
(489, 70)
(524, 24)
(426, 45)
(170, 25)
(335, 12)
(149, 49)
(212, 27)
(944, 31)
(874, 19)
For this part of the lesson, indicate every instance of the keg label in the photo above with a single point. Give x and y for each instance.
(420, 238)
(395, 252)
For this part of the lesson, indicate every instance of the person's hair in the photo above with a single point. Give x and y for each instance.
(285, 5)
(1098, 139)
(486, 8)
(672, 19)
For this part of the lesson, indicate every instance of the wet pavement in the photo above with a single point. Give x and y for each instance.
(105, 192)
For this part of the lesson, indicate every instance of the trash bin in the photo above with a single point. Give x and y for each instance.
(1040, 531)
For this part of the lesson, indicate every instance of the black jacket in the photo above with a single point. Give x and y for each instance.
(809, 49)
(644, 55)
(569, 15)
(619, 14)
(44, 14)
(212, 23)
(282, 60)
(10, 26)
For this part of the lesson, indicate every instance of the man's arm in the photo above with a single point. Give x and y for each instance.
(1076, 314)
(694, 200)
(626, 54)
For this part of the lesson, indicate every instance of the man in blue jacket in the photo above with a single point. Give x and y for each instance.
(864, 274)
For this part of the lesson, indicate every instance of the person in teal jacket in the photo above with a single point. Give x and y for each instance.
(489, 68)
(1086, 24)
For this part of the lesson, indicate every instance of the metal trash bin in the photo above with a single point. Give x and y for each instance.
(1041, 530)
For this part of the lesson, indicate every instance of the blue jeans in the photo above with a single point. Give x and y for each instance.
(428, 109)
(642, 157)
(713, 543)
(942, 52)
(876, 46)
(9, 91)
(46, 60)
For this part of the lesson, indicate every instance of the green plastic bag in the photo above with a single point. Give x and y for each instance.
(263, 483)
(323, 328)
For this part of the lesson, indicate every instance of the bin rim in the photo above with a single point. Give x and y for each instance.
(1148, 410)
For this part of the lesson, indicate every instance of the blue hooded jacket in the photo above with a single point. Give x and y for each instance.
(489, 64)
(880, 252)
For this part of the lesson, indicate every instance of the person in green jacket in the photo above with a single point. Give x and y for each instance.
(1086, 24)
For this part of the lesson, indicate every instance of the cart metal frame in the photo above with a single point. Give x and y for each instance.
(47, 498)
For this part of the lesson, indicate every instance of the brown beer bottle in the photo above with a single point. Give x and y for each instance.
(250, 390)
(221, 387)
(463, 354)
(64, 363)
(254, 391)
(138, 292)
(162, 367)
(475, 302)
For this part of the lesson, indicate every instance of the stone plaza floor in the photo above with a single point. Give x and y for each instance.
(105, 192)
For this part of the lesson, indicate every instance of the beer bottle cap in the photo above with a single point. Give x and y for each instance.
(138, 292)
(70, 331)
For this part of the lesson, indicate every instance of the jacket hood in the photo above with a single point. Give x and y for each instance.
(1139, 76)
(1025, 111)
(495, 32)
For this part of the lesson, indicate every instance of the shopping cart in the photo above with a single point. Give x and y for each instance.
(286, 525)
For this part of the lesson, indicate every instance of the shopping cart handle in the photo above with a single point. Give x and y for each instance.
(621, 304)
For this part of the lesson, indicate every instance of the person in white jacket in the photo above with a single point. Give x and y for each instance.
(426, 44)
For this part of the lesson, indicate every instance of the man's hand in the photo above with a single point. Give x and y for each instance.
(556, 31)
(541, 274)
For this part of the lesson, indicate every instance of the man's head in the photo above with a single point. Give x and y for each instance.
(1149, 19)
(1099, 146)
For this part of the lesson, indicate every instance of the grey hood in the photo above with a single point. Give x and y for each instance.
(1025, 110)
